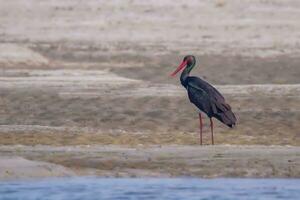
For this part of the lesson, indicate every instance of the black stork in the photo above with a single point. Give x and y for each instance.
(205, 97)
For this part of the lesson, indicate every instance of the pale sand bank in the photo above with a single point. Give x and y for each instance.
(14, 167)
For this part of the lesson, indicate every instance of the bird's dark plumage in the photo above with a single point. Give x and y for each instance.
(209, 100)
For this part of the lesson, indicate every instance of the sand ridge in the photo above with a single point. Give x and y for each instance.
(12, 168)
(173, 160)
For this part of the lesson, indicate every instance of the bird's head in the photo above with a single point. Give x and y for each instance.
(188, 62)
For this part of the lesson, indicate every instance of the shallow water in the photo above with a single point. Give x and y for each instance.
(90, 188)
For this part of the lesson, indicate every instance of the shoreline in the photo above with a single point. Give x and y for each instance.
(219, 161)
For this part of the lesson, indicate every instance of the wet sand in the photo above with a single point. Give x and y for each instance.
(73, 107)
(84, 88)
(163, 161)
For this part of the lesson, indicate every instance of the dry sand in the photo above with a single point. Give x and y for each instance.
(12, 167)
(249, 27)
(74, 73)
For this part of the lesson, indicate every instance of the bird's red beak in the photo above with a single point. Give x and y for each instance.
(180, 67)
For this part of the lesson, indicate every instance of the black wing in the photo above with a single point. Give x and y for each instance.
(210, 100)
(200, 98)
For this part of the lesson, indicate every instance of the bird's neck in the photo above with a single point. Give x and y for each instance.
(185, 74)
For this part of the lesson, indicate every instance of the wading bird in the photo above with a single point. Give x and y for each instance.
(206, 98)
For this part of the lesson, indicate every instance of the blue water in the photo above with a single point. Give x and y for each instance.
(90, 188)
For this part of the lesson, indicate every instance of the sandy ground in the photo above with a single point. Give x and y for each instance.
(250, 27)
(74, 73)
(64, 106)
(12, 168)
(157, 161)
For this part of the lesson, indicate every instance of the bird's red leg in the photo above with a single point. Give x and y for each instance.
(212, 130)
(200, 120)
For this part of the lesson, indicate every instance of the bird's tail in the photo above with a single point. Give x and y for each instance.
(226, 116)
